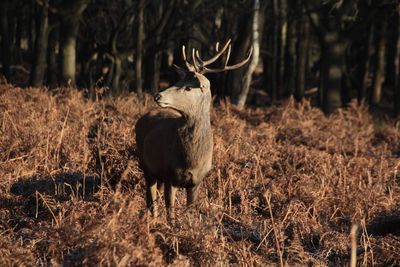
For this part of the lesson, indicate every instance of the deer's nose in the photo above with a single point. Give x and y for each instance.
(157, 97)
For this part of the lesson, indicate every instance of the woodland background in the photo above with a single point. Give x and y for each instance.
(288, 182)
(331, 51)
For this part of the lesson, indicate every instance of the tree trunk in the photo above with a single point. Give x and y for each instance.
(155, 81)
(332, 60)
(31, 28)
(362, 95)
(282, 27)
(303, 33)
(274, 53)
(139, 49)
(239, 50)
(39, 56)
(52, 56)
(154, 54)
(152, 68)
(379, 75)
(69, 27)
(12, 27)
(19, 31)
(290, 56)
(246, 80)
(5, 38)
(117, 71)
(397, 67)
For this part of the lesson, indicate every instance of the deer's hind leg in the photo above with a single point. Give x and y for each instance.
(160, 186)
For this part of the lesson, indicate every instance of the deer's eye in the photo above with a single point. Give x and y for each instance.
(187, 88)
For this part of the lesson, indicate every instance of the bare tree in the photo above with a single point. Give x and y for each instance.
(379, 74)
(53, 41)
(351, 46)
(5, 37)
(139, 48)
(329, 19)
(246, 80)
(303, 38)
(369, 51)
(70, 14)
(289, 75)
(159, 19)
(397, 66)
(41, 40)
(274, 52)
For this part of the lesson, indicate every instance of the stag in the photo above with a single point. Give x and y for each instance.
(175, 143)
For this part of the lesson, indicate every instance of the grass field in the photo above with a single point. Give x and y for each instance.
(286, 187)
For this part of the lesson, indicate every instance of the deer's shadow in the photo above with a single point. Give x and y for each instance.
(63, 186)
(384, 224)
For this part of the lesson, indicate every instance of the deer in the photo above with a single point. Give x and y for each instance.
(175, 141)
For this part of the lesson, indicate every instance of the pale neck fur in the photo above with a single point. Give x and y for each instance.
(195, 137)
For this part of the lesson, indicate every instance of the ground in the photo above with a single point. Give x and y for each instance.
(287, 186)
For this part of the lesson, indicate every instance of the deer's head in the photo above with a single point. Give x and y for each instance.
(192, 93)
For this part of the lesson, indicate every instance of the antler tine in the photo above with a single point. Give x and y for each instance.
(188, 65)
(195, 64)
(214, 58)
(217, 46)
(184, 53)
(198, 57)
(232, 67)
(228, 55)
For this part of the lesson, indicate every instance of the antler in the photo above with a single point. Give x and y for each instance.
(204, 63)
(200, 65)
(188, 65)
(231, 67)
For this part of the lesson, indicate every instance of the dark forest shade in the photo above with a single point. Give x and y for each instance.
(397, 67)
(328, 51)
(5, 38)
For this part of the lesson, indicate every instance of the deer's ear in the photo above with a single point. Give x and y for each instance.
(181, 72)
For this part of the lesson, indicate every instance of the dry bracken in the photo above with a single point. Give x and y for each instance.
(286, 178)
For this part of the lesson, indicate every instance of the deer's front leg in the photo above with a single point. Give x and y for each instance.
(169, 194)
(192, 195)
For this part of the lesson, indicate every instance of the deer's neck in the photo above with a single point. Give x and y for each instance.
(196, 138)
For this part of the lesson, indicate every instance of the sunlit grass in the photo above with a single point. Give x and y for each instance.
(287, 185)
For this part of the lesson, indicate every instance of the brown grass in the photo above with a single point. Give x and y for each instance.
(287, 186)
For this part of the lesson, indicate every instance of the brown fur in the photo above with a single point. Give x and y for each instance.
(175, 142)
(177, 149)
